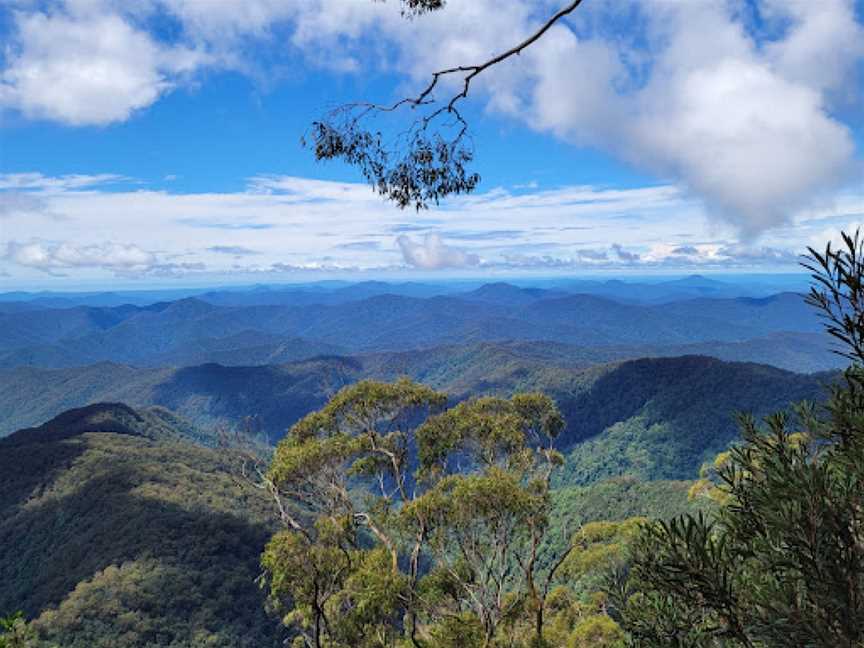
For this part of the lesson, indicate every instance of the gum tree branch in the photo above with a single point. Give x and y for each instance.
(430, 160)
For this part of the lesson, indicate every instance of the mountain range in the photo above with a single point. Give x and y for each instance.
(779, 329)
(684, 404)
(636, 290)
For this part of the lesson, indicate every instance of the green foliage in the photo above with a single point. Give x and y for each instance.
(780, 561)
(16, 633)
(575, 612)
(662, 419)
(597, 631)
(405, 521)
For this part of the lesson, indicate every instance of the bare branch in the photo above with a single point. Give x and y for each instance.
(474, 70)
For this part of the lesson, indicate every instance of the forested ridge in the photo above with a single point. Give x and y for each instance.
(117, 530)
(686, 404)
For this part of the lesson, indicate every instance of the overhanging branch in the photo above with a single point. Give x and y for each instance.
(430, 159)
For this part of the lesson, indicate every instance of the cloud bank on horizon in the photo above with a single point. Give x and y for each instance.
(746, 111)
(283, 227)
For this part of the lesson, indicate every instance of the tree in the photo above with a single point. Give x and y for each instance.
(15, 633)
(408, 522)
(781, 560)
(430, 159)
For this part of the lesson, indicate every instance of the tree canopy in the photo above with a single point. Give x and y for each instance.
(410, 523)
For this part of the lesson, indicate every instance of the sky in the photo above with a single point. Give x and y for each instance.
(157, 142)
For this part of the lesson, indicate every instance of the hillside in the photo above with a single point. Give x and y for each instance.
(661, 418)
(112, 538)
(114, 531)
(657, 418)
(156, 423)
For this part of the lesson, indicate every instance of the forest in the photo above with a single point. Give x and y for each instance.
(395, 515)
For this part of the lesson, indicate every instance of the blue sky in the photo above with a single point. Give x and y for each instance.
(157, 142)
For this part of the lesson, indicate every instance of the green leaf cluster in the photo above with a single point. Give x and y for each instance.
(780, 560)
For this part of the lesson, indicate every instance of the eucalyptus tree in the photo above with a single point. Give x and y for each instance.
(407, 522)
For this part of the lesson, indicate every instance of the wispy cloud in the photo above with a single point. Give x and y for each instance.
(363, 246)
(201, 224)
(490, 235)
(38, 181)
(233, 250)
(547, 231)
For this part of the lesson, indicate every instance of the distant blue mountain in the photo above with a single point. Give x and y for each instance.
(193, 329)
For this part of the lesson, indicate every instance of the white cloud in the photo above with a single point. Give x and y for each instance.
(822, 43)
(739, 115)
(304, 226)
(15, 203)
(92, 69)
(38, 181)
(120, 260)
(726, 120)
(48, 256)
(754, 146)
(433, 254)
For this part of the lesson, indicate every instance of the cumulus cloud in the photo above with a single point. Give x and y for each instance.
(88, 69)
(822, 42)
(44, 255)
(741, 113)
(752, 136)
(127, 260)
(433, 254)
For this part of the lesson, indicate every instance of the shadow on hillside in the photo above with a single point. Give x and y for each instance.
(278, 396)
(120, 515)
(28, 469)
(686, 392)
